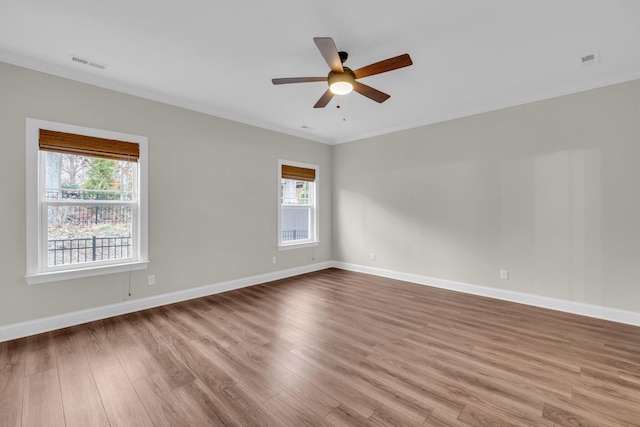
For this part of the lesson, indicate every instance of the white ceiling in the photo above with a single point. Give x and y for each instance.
(219, 57)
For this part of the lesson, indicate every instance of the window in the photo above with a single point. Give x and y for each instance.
(297, 212)
(86, 202)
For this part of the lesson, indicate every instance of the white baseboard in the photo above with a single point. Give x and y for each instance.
(46, 324)
(599, 312)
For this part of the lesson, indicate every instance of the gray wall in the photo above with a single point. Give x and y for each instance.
(212, 194)
(547, 190)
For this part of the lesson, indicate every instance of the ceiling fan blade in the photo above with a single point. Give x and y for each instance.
(384, 66)
(329, 52)
(297, 80)
(324, 99)
(370, 92)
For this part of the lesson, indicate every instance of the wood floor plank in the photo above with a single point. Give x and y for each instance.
(154, 338)
(161, 402)
(329, 348)
(42, 400)
(481, 371)
(12, 379)
(134, 358)
(444, 417)
(200, 402)
(121, 402)
(380, 391)
(40, 354)
(609, 383)
(475, 416)
(389, 417)
(629, 378)
(343, 416)
(331, 383)
(81, 400)
(316, 400)
(438, 390)
(507, 393)
(524, 367)
(588, 414)
(255, 379)
(100, 353)
(291, 411)
(406, 397)
(211, 378)
(223, 409)
(563, 417)
(604, 400)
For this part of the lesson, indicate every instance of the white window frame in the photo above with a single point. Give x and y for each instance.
(37, 270)
(313, 239)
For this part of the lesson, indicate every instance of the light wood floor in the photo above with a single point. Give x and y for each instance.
(329, 348)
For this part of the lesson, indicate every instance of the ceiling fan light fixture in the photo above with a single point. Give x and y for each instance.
(341, 83)
(341, 88)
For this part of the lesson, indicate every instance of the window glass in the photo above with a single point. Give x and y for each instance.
(296, 210)
(89, 205)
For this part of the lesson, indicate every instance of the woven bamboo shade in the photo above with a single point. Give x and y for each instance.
(297, 173)
(82, 145)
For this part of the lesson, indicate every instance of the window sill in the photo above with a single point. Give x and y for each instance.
(306, 244)
(55, 276)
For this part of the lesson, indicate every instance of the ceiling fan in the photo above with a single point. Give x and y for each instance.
(341, 79)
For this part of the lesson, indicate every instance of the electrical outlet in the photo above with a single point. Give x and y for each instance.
(504, 274)
(274, 260)
(373, 256)
(151, 280)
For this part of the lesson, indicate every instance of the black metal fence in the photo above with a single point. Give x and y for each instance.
(82, 194)
(294, 235)
(74, 251)
(67, 215)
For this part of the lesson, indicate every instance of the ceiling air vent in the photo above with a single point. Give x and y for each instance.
(589, 59)
(88, 62)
